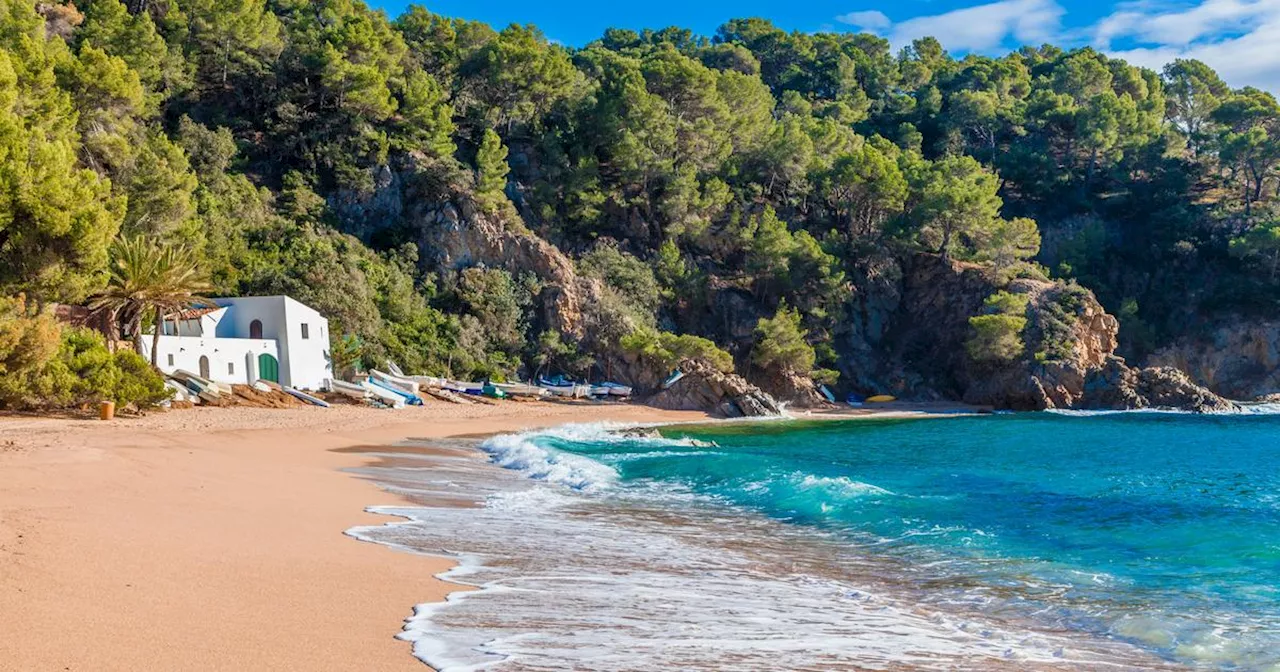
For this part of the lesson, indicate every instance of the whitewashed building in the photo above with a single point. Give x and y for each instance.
(245, 339)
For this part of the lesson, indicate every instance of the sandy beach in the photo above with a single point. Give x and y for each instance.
(212, 539)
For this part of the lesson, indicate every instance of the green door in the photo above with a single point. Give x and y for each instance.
(268, 368)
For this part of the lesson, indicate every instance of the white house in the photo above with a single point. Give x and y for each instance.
(245, 339)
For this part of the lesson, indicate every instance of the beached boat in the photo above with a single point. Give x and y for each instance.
(826, 393)
(382, 394)
(881, 399)
(180, 391)
(314, 401)
(402, 384)
(616, 389)
(493, 391)
(521, 390)
(428, 382)
(352, 390)
(410, 399)
(672, 379)
(464, 387)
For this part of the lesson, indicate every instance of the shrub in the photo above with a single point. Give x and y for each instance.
(668, 350)
(45, 366)
(996, 337)
(781, 343)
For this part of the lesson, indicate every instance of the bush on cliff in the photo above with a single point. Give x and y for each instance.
(668, 350)
(781, 343)
(996, 337)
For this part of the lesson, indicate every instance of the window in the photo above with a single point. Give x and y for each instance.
(171, 359)
(231, 368)
(306, 331)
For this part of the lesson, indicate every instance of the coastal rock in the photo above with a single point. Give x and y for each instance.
(1119, 386)
(704, 388)
(795, 390)
(1239, 359)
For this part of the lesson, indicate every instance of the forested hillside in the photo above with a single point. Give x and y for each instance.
(754, 198)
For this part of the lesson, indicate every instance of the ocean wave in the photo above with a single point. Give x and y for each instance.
(839, 487)
(1242, 408)
(521, 452)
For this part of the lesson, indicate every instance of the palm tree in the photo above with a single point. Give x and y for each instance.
(146, 275)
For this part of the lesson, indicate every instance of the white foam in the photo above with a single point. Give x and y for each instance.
(840, 487)
(522, 453)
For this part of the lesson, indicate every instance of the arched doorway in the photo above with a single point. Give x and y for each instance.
(255, 329)
(204, 367)
(268, 368)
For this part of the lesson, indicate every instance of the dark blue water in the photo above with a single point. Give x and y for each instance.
(1160, 529)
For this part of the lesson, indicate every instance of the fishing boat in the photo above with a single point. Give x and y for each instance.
(402, 384)
(562, 387)
(616, 389)
(464, 387)
(352, 390)
(314, 401)
(384, 395)
(428, 382)
(672, 379)
(493, 391)
(410, 399)
(521, 390)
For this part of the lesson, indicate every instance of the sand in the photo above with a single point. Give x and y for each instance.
(212, 539)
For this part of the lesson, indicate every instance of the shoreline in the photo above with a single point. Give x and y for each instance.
(216, 538)
(211, 539)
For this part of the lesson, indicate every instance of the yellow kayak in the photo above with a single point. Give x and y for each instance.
(881, 399)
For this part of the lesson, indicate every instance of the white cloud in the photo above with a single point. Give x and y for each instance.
(1238, 38)
(869, 20)
(985, 27)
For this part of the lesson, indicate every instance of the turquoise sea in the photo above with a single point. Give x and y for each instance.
(1127, 540)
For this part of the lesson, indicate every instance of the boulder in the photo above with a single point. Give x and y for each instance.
(1116, 385)
(704, 388)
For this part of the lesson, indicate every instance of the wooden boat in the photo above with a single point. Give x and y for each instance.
(881, 399)
(616, 389)
(397, 382)
(428, 382)
(521, 390)
(314, 401)
(384, 395)
(410, 399)
(353, 390)
(464, 387)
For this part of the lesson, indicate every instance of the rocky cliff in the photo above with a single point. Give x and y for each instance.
(1240, 359)
(704, 388)
(1069, 359)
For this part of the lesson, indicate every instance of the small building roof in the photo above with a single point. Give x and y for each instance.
(193, 313)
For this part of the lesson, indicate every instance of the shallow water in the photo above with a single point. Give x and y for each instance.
(1131, 541)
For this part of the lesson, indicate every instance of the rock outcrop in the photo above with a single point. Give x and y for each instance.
(703, 387)
(1070, 341)
(1240, 359)
(1118, 385)
(796, 390)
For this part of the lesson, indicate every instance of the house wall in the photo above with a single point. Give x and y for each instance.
(310, 367)
(304, 363)
(241, 353)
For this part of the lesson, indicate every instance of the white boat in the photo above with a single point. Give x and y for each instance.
(598, 391)
(180, 391)
(463, 387)
(429, 382)
(352, 390)
(521, 389)
(394, 381)
(384, 395)
(570, 390)
(672, 379)
(617, 389)
(314, 401)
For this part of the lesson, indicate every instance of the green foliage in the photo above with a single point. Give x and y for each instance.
(781, 343)
(666, 350)
(996, 336)
(45, 366)
(791, 167)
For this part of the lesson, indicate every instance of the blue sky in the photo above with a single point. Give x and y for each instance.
(1240, 38)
